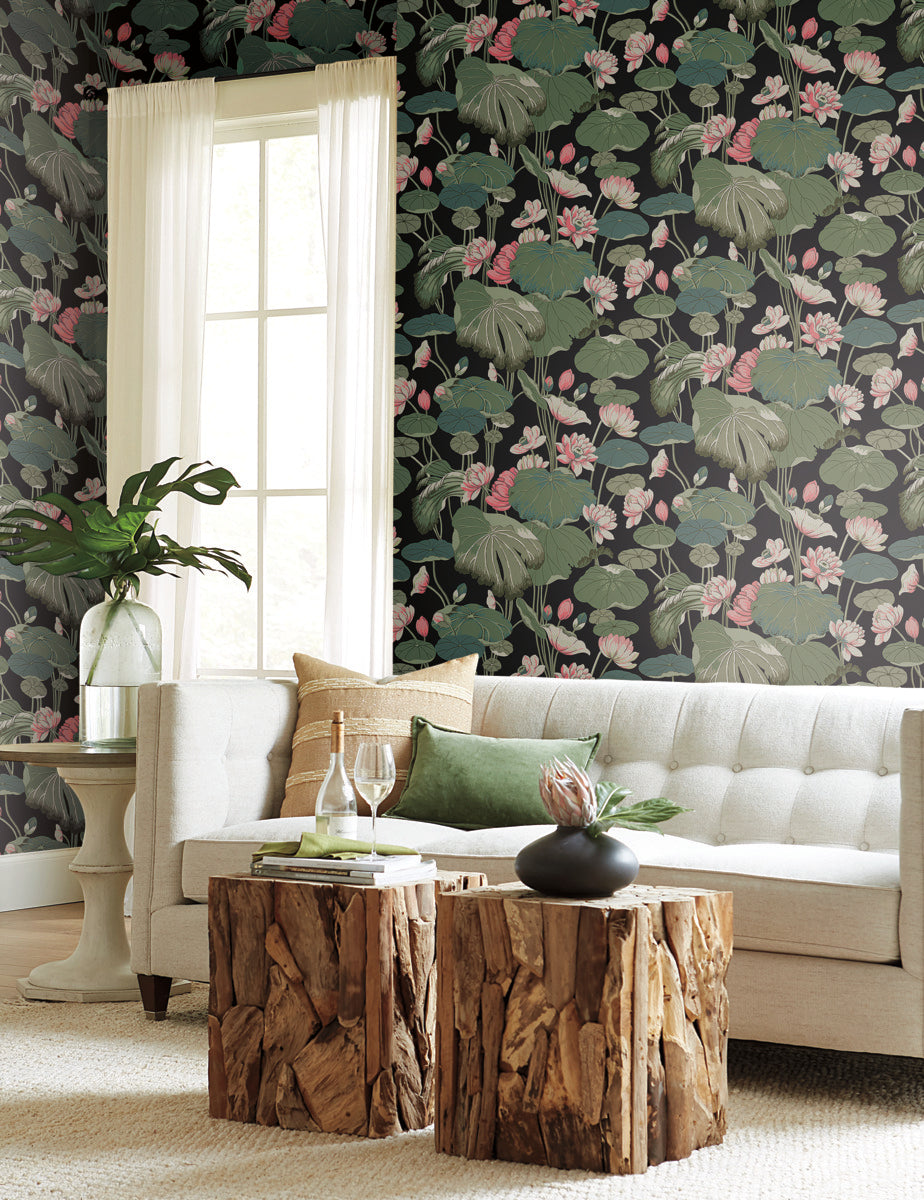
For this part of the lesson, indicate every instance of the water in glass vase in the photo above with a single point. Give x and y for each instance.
(120, 649)
(109, 715)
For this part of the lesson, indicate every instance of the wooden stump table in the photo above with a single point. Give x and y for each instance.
(322, 1003)
(582, 1033)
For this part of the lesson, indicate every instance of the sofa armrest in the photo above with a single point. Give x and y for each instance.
(911, 844)
(210, 754)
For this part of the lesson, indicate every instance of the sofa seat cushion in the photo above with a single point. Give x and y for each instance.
(820, 901)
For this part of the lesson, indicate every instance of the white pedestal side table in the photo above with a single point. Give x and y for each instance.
(99, 968)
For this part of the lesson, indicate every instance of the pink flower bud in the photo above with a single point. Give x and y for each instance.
(565, 609)
(810, 492)
(791, 260)
(809, 29)
(909, 156)
(567, 793)
(567, 154)
(661, 511)
(423, 401)
(549, 157)
(547, 611)
(792, 494)
(661, 280)
(912, 628)
(566, 380)
(662, 54)
(422, 626)
(809, 258)
(791, 30)
(549, 381)
(425, 176)
(124, 33)
(911, 390)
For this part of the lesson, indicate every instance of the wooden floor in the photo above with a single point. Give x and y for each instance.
(31, 936)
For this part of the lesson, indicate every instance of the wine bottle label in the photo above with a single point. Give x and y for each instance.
(341, 825)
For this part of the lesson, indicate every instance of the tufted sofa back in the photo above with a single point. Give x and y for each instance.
(752, 763)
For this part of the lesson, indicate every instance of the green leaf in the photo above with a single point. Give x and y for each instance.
(57, 163)
(481, 395)
(566, 548)
(551, 497)
(717, 504)
(676, 597)
(855, 468)
(497, 322)
(434, 495)
(552, 45)
(856, 12)
(63, 377)
(164, 14)
(675, 366)
(911, 34)
(904, 654)
(735, 656)
(911, 500)
(498, 100)
(565, 96)
(552, 268)
(852, 234)
(608, 129)
(810, 429)
(809, 197)
(611, 586)
(738, 432)
(495, 550)
(796, 147)
(612, 356)
(794, 377)
(654, 537)
(566, 321)
(416, 653)
(327, 24)
(475, 620)
(795, 611)
(737, 202)
(809, 662)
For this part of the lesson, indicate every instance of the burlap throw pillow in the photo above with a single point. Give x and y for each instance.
(373, 709)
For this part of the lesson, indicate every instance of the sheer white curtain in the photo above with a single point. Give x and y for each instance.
(357, 132)
(160, 169)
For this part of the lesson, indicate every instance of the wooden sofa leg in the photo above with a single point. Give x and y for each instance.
(155, 995)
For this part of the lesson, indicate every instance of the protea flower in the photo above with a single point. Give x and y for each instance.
(567, 793)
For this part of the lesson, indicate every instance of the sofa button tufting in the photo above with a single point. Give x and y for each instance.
(883, 771)
(737, 767)
(720, 838)
(607, 758)
(790, 841)
(864, 845)
(673, 764)
(808, 771)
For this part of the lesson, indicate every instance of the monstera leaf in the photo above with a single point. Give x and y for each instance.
(498, 100)
(497, 322)
(738, 202)
(495, 550)
(738, 432)
(54, 160)
(795, 611)
(725, 655)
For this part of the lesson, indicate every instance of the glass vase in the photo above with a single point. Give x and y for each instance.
(120, 649)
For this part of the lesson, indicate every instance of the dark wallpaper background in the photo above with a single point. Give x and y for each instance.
(657, 340)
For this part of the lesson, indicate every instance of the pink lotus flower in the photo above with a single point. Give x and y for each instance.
(93, 286)
(912, 628)
(620, 418)
(809, 29)
(44, 304)
(66, 118)
(662, 54)
(422, 355)
(908, 344)
(820, 100)
(67, 732)
(620, 190)
(123, 33)
(619, 650)
(848, 637)
(810, 525)
(907, 110)
(170, 64)
(423, 401)
(740, 148)
(662, 512)
(573, 671)
(532, 212)
(500, 269)
(637, 46)
(44, 722)
(404, 390)
(847, 168)
(499, 499)
(865, 65)
(425, 176)
(602, 291)
(576, 452)
(884, 382)
(867, 297)
(530, 439)
(478, 32)
(636, 272)
(717, 358)
(635, 502)
(910, 581)
(885, 619)
(847, 400)
(44, 96)
(565, 610)
(810, 491)
(911, 391)
(476, 479)
(716, 592)
(909, 156)
(659, 465)
(420, 582)
(810, 259)
(775, 551)
(401, 617)
(66, 325)
(740, 378)
(531, 666)
(603, 66)
(740, 611)
(477, 254)
(661, 281)
(881, 151)
(660, 9)
(775, 575)
(821, 565)
(659, 235)
(774, 87)
(867, 532)
(279, 26)
(502, 49)
(91, 490)
(717, 130)
(405, 169)
(822, 331)
(774, 318)
(579, 9)
(424, 132)
(577, 223)
(601, 520)
(568, 794)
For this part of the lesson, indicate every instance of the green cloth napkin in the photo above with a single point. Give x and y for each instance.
(322, 845)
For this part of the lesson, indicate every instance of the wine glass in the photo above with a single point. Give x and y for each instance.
(374, 776)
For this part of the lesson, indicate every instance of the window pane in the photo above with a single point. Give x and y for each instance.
(228, 613)
(294, 570)
(296, 391)
(234, 231)
(229, 398)
(295, 250)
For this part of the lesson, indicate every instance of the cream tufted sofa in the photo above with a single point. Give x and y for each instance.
(806, 802)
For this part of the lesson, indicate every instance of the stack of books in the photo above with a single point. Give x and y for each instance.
(365, 872)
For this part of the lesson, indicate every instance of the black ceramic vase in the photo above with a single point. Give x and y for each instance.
(569, 861)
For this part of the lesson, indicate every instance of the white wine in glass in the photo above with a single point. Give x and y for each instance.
(374, 777)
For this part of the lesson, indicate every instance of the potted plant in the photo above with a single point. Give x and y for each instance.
(577, 858)
(120, 639)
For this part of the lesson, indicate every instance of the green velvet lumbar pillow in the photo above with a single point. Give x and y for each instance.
(474, 782)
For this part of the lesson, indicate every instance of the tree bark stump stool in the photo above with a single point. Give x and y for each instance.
(322, 1003)
(585, 1034)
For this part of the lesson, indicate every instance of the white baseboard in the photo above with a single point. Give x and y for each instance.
(37, 879)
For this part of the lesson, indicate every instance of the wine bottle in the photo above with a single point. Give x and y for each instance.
(335, 808)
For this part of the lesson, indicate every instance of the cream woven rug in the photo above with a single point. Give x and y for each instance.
(98, 1104)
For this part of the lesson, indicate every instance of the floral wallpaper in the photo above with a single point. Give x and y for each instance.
(658, 334)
